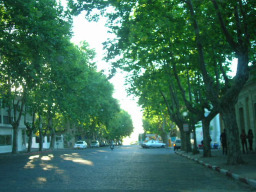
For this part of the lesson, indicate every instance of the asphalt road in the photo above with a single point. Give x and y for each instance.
(127, 168)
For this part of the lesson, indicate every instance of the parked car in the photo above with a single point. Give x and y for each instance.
(102, 144)
(95, 144)
(80, 145)
(177, 144)
(153, 143)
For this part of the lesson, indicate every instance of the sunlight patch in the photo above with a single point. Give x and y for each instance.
(77, 159)
(34, 157)
(29, 165)
(46, 158)
(41, 179)
(47, 167)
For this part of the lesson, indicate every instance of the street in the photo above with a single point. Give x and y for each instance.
(126, 168)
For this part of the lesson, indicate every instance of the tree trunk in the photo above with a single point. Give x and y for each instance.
(188, 142)
(164, 133)
(206, 138)
(195, 148)
(40, 134)
(51, 128)
(15, 127)
(182, 137)
(233, 140)
(41, 139)
(15, 123)
(29, 140)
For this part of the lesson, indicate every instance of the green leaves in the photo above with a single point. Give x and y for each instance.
(38, 62)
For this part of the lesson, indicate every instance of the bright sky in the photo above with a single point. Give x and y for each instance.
(95, 34)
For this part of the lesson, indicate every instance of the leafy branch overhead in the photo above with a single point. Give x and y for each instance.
(41, 69)
(183, 50)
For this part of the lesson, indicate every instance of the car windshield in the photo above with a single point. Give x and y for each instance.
(177, 141)
(94, 141)
(79, 142)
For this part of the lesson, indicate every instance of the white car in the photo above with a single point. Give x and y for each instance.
(153, 143)
(95, 144)
(177, 145)
(80, 145)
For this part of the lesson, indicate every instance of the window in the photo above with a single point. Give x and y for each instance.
(38, 139)
(241, 116)
(255, 110)
(255, 114)
(6, 120)
(23, 137)
(5, 140)
(58, 139)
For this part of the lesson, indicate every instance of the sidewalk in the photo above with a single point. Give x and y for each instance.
(245, 173)
(33, 152)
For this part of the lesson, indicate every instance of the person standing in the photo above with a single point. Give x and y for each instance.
(243, 140)
(223, 139)
(250, 139)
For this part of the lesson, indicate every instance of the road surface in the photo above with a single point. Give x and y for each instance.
(126, 168)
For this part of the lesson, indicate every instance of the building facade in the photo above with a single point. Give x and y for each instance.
(6, 133)
(246, 107)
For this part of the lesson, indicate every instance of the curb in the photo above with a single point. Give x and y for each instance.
(237, 177)
(36, 152)
(26, 153)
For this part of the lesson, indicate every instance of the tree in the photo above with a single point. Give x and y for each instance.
(194, 40)
(28, 31)
(120, 126)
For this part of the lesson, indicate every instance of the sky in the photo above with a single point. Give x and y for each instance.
(95, 33)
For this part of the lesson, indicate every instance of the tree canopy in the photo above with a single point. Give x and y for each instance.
(191, 43)
(55, 79)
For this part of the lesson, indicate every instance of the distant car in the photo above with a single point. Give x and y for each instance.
(177, 144)
(80, 145)
(153, 143)
(95, 144)
(102, 144)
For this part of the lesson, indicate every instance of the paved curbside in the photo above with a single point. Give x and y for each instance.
(36, 152)
(237, 177)
(26, 153)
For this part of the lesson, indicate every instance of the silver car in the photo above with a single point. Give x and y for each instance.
(80, 145)
(95, 144)
(153, 143)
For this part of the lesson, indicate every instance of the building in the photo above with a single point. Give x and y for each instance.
(59, 144)
(6, 135)
(246, 106)
(214, 131)
(6, 132)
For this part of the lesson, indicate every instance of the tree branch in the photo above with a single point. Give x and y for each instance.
(229, 38)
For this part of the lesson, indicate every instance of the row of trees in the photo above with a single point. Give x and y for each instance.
(44, 76)
(179, 57)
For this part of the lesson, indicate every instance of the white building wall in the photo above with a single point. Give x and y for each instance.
(6, 129)
(59, 143)
(215, 131)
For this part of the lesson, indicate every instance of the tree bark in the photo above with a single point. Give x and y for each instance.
(233, 140)
(53, 135)
(195, 148)
(29, 140)
(15, 127)
(206, 138)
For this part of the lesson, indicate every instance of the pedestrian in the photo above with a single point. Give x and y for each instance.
(243, 140)
(223, 139)
(250, 139)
